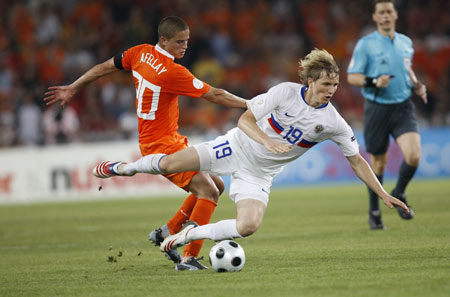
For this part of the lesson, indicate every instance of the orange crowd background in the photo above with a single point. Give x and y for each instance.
(243, 46)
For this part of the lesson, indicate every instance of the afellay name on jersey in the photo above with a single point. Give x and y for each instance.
(153, 62)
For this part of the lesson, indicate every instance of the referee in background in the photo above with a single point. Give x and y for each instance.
(381, 64)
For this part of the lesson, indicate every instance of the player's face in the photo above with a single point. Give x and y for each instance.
(385, 16)
(322, 89)
(177, 45)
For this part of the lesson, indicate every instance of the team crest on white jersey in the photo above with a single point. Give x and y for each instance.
(318, 129)
(198, 84)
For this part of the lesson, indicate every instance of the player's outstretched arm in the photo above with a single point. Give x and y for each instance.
(65, 93)
(247, 123)
(365, 173)
(222, 97)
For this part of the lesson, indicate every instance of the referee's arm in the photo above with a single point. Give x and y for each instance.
(360, 80)
(419, 88)
(356, 79)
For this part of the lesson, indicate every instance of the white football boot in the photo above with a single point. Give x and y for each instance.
(108, 169)
(179, 239)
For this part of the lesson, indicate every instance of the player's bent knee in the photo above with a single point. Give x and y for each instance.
(203, 186)
(208, 192)
(379, 164)
(213, 194)
(219, 184)
(247, 228)
(413, 159)
(379, 167)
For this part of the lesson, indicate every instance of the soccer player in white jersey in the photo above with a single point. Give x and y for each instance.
(278, 127)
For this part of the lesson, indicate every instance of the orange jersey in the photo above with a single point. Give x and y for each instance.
(159, 81)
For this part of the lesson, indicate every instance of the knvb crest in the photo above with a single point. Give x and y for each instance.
(318, 129)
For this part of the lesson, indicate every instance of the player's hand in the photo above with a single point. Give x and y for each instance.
(277, 147)
(383, 81)
(390, 201)
(59, 93)
(421, 90)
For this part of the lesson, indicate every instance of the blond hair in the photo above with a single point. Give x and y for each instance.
(314, 63)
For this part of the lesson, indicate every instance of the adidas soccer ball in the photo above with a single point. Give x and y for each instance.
(227, 256)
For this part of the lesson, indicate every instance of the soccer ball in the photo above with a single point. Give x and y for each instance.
(227, 256)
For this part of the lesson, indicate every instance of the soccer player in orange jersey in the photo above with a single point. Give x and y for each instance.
(159, 81)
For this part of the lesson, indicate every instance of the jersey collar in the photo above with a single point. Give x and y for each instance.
(302, 91)
(164, 52)
(386, 37)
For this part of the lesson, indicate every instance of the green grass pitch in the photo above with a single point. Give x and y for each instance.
(314, 241)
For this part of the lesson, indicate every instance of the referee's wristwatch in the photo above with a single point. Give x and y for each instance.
(370, 82)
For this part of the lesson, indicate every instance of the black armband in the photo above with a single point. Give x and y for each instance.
(118, 61)
(370, 82)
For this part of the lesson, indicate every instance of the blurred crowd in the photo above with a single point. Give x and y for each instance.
(243, 46)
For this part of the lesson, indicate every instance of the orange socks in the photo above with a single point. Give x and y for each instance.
(201, 214)
(182, 214)
(199, 210)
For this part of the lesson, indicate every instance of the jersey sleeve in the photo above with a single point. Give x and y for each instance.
(128, 56)
(345, 138)
(265, 103)
(182, 82)
(410, 50)
(359, 58)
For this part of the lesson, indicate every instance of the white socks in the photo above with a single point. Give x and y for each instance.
(221, 230)
(146, 164)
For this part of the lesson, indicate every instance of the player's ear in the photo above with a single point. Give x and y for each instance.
(395, 15)
(310, 81)
(163, 41)
(374, 18)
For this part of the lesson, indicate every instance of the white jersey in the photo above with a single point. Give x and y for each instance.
(284, 115)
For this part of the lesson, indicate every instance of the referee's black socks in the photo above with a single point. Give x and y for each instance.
(405, 175)
(374, 204)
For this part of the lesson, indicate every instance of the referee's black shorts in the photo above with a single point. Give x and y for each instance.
(382, 120)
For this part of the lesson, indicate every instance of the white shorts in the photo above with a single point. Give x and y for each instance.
(224, 156)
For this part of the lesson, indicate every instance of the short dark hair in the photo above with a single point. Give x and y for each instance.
(170, 26)
(375, 2)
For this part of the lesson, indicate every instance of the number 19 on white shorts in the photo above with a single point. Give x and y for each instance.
(219, 156)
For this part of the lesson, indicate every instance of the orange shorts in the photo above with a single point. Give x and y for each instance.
(170, 144)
